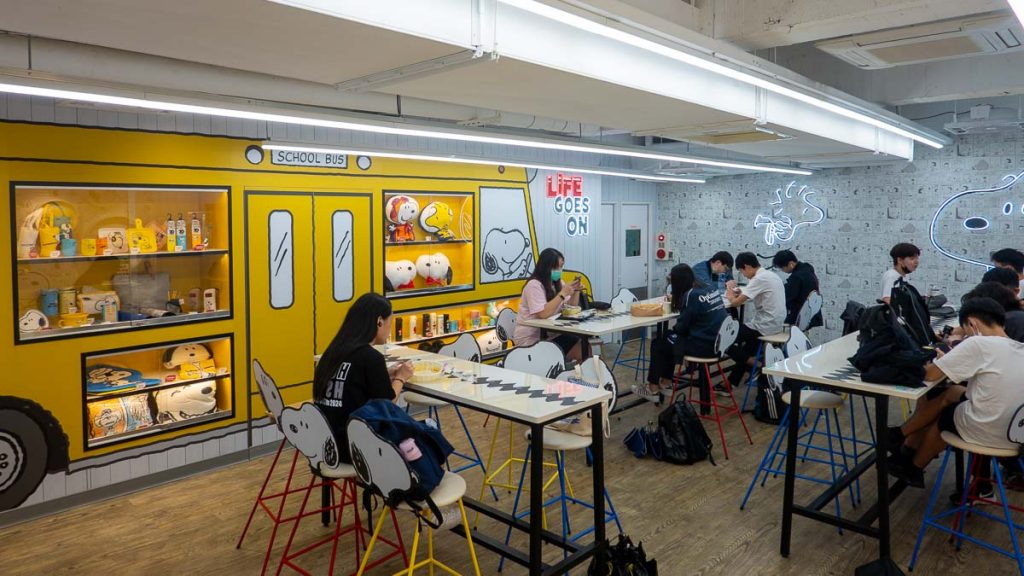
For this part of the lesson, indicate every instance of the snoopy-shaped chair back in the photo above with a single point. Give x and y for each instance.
(773, 355)
(543, 359)
(269, 392)
(378, 463)
(797, 343)
(307, 429)
(595, 372)
(465, 347)
(623, 299)
(809, 310)
(727, 333)
(505, 324)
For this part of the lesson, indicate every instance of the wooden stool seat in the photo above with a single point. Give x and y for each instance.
(779, 338)
(817, 399)
(340, 472)
(956, 441)
(422, 400)
(701, 360)
(448, 492)
(564, 441)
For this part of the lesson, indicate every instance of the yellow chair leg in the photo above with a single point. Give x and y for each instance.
(430, 548)
(469, 539)
(384, 513)
(415, 545)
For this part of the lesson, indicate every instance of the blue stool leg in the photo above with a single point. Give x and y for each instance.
(769, 456)
(856, 443)
(515, 502)
(752, 380)
(867, 414)
(1009, 519)
(961, 518)
(476, 454)
(928, 509)
(433, 413)
(640, 360)
(814, 430)
(611, 509)
(846, 461)
(831, 456)
(560, 462)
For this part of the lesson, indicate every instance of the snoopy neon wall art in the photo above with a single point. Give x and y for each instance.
(791, 210)
(970, 224)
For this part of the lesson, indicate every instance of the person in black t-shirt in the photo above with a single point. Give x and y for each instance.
(802, 281)
(351, 372)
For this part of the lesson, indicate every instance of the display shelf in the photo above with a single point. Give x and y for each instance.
(125, 256)
(409, 341)
(428, 242)
(125, 325)
(129, 392)
(159, 428)
(428, 291)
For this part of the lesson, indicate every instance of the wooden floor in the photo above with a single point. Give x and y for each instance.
(688, 518)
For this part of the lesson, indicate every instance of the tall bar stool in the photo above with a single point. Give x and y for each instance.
(766, 350)
(271, 396)
(381, 466)
(638, 363)
(308, 430)
(543, 359)
(465, 347)
(976, 453)
(772, 463)
(595, 373)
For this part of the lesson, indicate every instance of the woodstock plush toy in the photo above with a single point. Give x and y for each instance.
(435, 269)
(400, 274)
(401, 211)
(185, 402)
(194, 361)
(494, 308)
(437, 219)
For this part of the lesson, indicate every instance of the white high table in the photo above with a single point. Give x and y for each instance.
(534, 402)
(827, 367)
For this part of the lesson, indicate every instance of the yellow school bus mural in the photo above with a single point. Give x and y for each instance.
(146, 271)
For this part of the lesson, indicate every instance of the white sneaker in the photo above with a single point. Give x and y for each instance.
(642, 391)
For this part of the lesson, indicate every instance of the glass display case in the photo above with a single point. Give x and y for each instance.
(138, 392)
(431, 328)
(106, 258)
(428, 244)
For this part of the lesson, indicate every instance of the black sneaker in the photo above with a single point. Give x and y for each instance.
(985, 490)
(905, 470)
(895, 438)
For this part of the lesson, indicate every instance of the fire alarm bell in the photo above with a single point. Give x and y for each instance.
(661, 251)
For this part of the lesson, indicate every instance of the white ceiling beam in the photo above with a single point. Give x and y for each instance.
(769, 23)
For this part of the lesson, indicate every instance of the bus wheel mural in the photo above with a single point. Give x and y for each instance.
(31, 444)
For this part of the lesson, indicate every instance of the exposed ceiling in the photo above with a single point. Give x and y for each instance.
(270, 39)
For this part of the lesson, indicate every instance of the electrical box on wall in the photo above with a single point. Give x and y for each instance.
(661, 251)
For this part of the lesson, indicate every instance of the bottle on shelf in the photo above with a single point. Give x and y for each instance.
(197, 233)
(171, 233)
(181, 234)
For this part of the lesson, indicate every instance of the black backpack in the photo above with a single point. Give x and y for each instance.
(768, 404)
(624, 559)
(909, 305)
(888, 352)
(683, 438)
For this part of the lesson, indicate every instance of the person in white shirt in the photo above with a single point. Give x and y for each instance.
(984, 411)
(767, 291)
(905, 259)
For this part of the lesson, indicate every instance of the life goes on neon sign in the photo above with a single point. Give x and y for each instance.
(567, 192)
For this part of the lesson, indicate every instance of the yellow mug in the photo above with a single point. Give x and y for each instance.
(88, 247)
(73, 319)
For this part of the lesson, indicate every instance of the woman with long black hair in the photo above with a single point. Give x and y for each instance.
(701, 313)
(543, 296)
(351, 371)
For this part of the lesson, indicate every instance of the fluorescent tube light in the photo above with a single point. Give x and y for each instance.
(393, 128)
(608, 32)
(1018, 9)
(636, 175)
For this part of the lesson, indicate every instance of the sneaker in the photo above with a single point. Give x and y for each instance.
(985, 490)
(1013, 481)
(721, 390)
(905, 470)
(895, 439)
(643, 391)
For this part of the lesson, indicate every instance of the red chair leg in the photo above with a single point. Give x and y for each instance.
(259, 497)
(714, 406)
(295, 526)
(280, 512)
(736, 408)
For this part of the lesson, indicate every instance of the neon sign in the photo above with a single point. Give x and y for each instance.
(781, 225)
(567, 191)
(975, 221)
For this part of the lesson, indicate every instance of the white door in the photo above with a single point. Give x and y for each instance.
(605, 288)
(633, 248)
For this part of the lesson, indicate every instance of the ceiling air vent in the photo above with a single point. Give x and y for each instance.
(929, 42)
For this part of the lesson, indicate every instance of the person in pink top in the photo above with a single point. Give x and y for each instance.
(544, 296)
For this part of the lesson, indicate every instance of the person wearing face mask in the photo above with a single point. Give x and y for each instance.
(905, 259)
(979, 407)
(352, 372)
(544, 295)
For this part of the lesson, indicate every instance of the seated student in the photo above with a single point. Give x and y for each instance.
(543, 296)
(982, 411)
(1003, 276)
(715, 271)
(766, 290)
(701, 312)
(1010, 259)
(802, 281)
(905, 259)
(351, 372)
(1014, 324)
